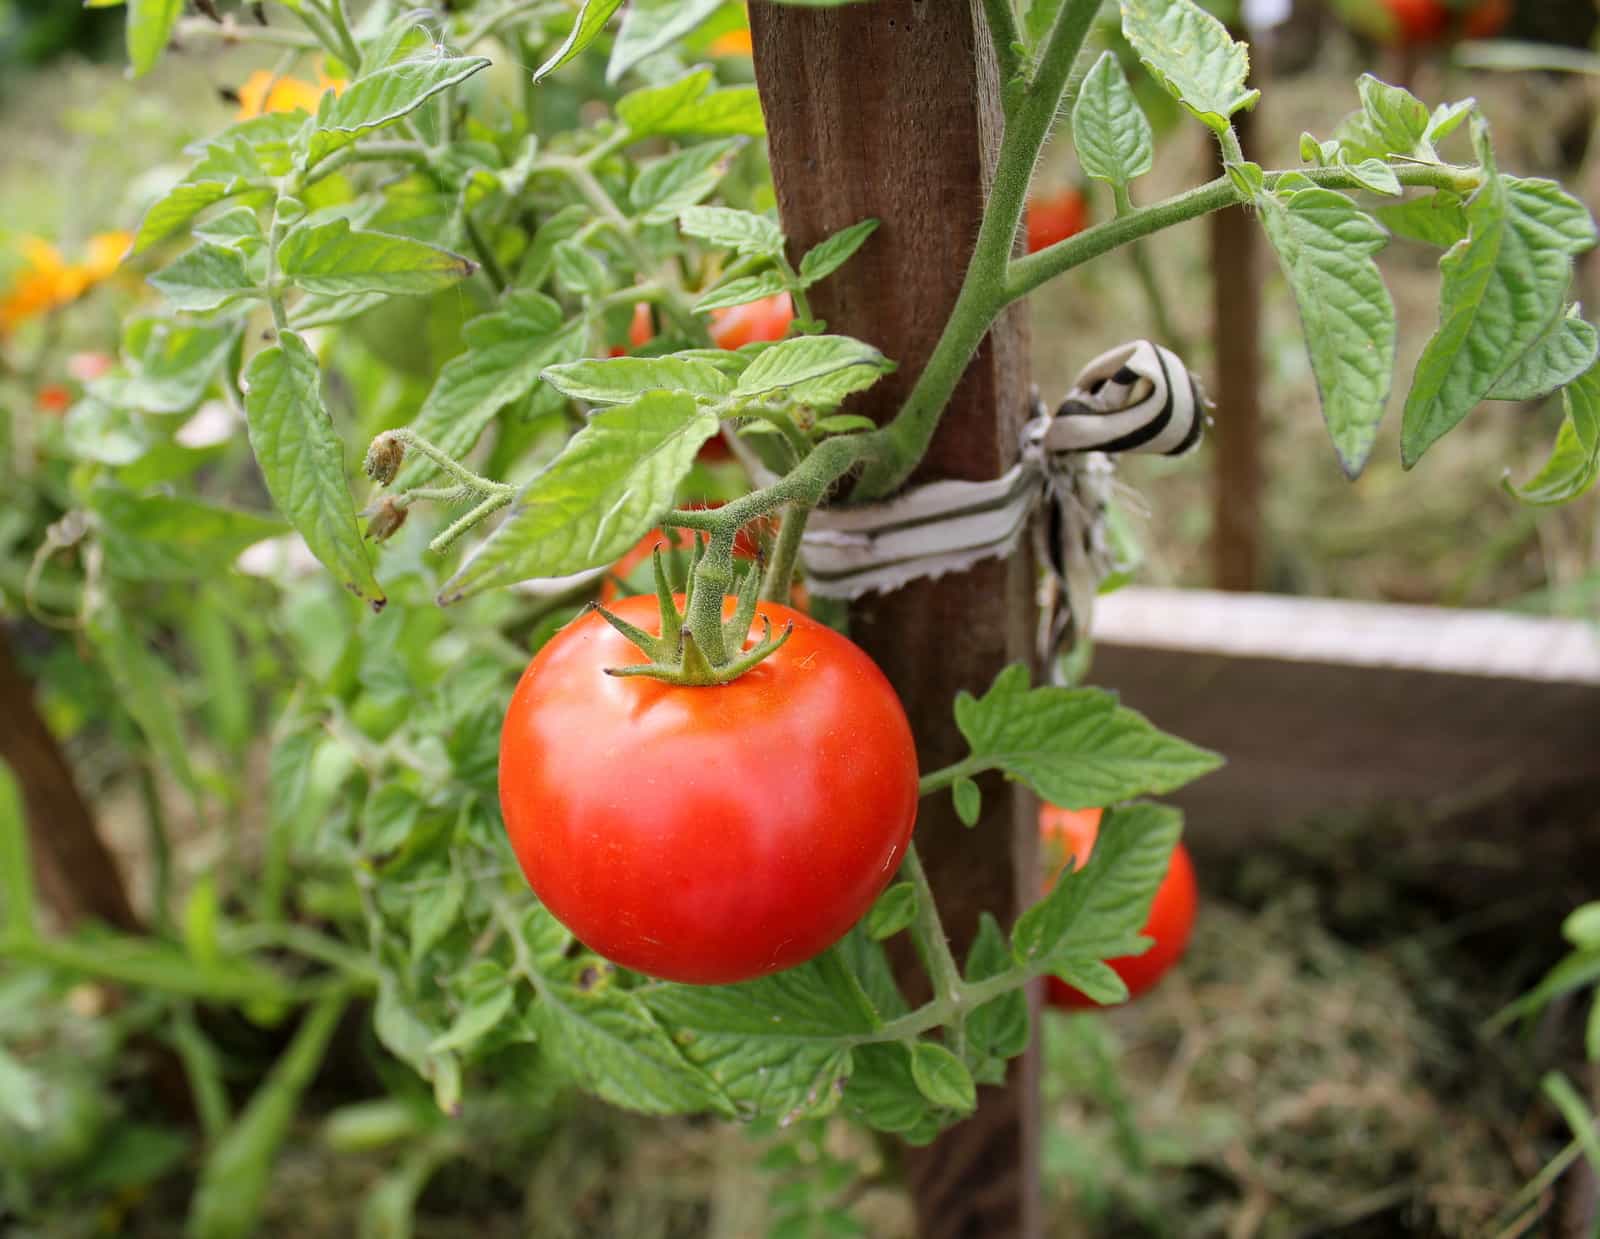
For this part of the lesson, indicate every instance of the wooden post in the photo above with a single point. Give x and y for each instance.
(891, 111)
(1236, 334)
(76, 871)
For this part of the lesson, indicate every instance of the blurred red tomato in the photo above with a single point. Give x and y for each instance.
(766, 319)
(1419, 22)
(54, 398)
(1055, 217)
(640, 331)
(1072, 832)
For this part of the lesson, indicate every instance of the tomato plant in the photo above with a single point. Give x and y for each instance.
(1069, 835)
(423, 260)
(1055, 217)
(707, 835)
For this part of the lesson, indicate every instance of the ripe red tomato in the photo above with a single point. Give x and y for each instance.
(1055, 217)
(54, 398)
(707, 835)
(1072, 832)
(641, 329)
(1418, 22)
(767, 319)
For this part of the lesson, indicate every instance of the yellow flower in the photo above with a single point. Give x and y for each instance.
(49, 282)
(734, 43)
(104, 255)
(263, 91)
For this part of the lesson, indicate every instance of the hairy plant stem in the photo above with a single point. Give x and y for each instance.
(280, 318)
(933, 948)
(779, 583)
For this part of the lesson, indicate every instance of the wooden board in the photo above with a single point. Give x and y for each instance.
(1326, 705)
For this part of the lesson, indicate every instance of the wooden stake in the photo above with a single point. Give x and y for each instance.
(77, 873)
(891, 111)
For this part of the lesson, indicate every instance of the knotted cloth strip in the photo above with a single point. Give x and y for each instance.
(1139, 397)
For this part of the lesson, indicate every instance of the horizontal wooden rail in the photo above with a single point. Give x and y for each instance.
(1327, 705)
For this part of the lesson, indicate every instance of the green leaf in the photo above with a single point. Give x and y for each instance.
(1557, 358)
(476, 1021)
(1095, 979)
(229, 1199)
(645, 110)
(882, 1093)
(828, 255)
(894, 910)
(106, 434)
(1433, 219)
(742, 231)
(592, 19)
(1578, 970)
(778, 1046)
(969, 801)
(650, 26)
(742, 289)
(145, 686)
(665, 186)
(384, 96)
(578, 271)
(805, 359)
(619, 380)
(1075, 747)
(1097, 912)
(172, 537)
(239, 227)
(998, 1030)
(1110, 133)
(613, 1048)
(942, 1078)
(175, 209)
(1392, 121)
(505, 352)
(334, 259)
(150, 26)
(1374, 175)
(434, 912)
(17, 902)
(1192, 55)
(601, 495)
(1326, 245)
(1574, 464)
(1503, 287)
(1575, 1110)
(21, 1094)
(1582, 927)
(302, 460)
(685, 107)
(206, 277)
(174, 363)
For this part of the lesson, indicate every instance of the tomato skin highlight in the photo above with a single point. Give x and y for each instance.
(707, 835)
(1172, 911)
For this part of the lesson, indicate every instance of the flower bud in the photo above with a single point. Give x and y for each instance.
(383, 459)
(386, 520)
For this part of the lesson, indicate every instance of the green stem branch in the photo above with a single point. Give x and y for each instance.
(984, 290)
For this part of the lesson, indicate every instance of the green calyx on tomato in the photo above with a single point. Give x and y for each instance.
(707, 835)
(692, 648)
